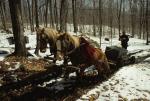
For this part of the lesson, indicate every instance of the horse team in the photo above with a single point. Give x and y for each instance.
(78, 50)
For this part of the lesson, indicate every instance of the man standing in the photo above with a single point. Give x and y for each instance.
(124, 40)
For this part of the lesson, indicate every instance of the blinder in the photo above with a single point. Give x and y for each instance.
(43, 43)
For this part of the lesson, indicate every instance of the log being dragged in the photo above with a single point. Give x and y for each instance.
(53, 72)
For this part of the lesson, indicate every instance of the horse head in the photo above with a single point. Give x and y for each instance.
(64, 44)
(42, 39)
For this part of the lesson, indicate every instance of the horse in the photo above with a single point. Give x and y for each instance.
(81, 53)
(47, 36)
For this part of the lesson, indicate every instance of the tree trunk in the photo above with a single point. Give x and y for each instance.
(147, 15)
(74, 12)
(63, 15)
(119, 7)
(17, 26)
(100, 21)
(133, 10)
(94, 13)
(51, 13)
(33, 12)
(46, 12)
(123, 16)
(56, 14)
(37, 26)
(30, 17)
(3, 18)
(110, 18)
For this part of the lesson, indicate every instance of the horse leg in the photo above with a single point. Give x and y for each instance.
(65, 61)
(54, 60)
(101, 68)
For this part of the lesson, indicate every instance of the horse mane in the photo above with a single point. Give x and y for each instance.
(51, 33)
(73, 39)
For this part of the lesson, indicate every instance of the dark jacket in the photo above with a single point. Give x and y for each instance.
(124, 38)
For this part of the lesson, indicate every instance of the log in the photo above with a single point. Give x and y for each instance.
(38, 78)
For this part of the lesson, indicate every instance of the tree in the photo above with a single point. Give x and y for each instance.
(30, 16)
(74, 12)
(133, 9)
(46, 12)
(37, 26)
(94, 23)
(119, 8)
(63, 15)
(147, 27)
(51, 11)
(110, 17)
(2, 13)
(56, 14)
(100, 20)
(17, 26)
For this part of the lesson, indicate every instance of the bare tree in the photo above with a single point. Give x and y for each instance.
(119, 8)
(110, 17)
(2, 14)
(46, 12)
(74, 12)
(37, 26)
(147, 27)
(17, 26)
(52, 13)
(56, 14)
(63, 15)
(94, 23)
(133, 9)
(123, 16)
(141, 17)
(100, 20)
(30, 17)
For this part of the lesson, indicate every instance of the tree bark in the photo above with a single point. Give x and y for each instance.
(30, 17)
(147, 27)
(37, 26)
(3, 18)
(46, 12)
(119, 7)
(51, 13)
(63, 15)
(100, 21)
(17, 26)
(94, 13)
(56, 15)
(74, 12)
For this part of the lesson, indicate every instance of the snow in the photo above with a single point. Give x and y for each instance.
(130, 82)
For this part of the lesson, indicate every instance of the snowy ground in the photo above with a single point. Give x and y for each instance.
(128, 83)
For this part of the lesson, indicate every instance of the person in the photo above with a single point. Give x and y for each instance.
(124, 40)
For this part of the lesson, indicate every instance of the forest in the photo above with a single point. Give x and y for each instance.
(74, 50)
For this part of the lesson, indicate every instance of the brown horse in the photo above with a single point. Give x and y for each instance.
(81, 53)
(47, 36)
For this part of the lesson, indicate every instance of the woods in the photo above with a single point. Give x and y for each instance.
(74, 50)
(131, 16)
